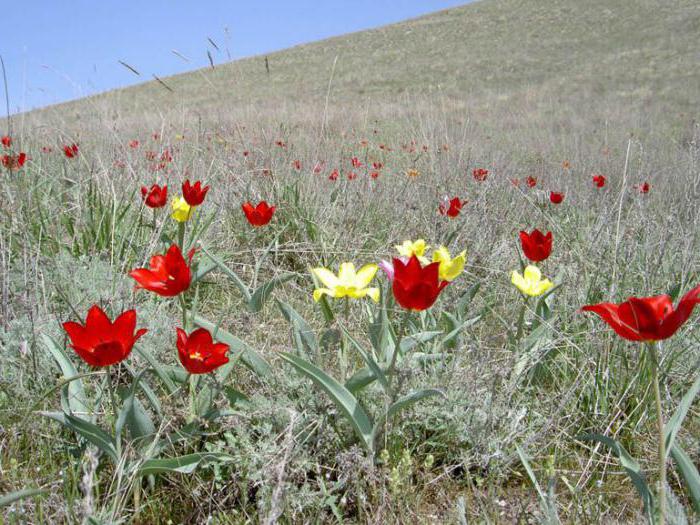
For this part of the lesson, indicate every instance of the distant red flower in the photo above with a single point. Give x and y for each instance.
(14, 162)
(515, 182)
(377, 165)
(296, 165)
(415, 287)
(599, 180)
(352, 175)
(198, 353)
(155, 197)
(556, 197)
(194, 194)
(644, 187)
(166, 156)
(259, 215)
(100, 342)
(451, 208)
(334, 175)
(355, 162)
(134, 144)
(156, 136)
(6, 141)
(46, 149)
(70, 151)
(531, 181)
(169, 274)
(480, 174)
(647, 318)
(280, 143)
(374, 174)
(246, 153)
(318, 168)
(536, 245)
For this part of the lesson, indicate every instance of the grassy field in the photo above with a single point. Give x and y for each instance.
(557, 91)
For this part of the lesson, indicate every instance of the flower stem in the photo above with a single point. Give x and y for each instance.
(112, 398)
(661, 495)
(181, 235)
(521, 320)
(397, 348)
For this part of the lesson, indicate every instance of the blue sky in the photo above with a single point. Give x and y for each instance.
(56, 51)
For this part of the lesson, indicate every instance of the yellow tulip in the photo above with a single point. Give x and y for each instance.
(182, 212)
(417, 248)
(348, 282)
(413, 173)
(450, 268)
(531, 282)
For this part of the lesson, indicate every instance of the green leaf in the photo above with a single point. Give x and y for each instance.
(360, 380)
(248, 356)
(263, 293)
(11, 497)
(402, 404)
(158, 368)
(89, 431)
(547, 507)
(299, 324)
(133, 415)
(466, 298)
(674, 424)
(690, 474)
(343, 399)
(76, 399)
(202, 271)
(456, 330)
(245, 291)
(182, 464)
(631, 466)
(369, 359)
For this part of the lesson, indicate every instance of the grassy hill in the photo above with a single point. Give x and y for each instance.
(641, 55)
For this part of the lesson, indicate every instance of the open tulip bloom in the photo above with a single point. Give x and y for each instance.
(536, 245)
(155, 197)
(258, 215)
(182, 212)
(450, 268)
(418, 248)
(531, 282)
(348, 282)
(416, 287)
(198, 352)
(101, 342)
(194, 194)
(168, 275)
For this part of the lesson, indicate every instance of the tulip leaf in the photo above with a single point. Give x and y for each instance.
(76, 399)
(341, 397)
(89, 431)
(546, 502)
(133, 415)
(245, 291)
(248, 356)
(300, 326)
(360, 380)
(674, 424)
(182, 464)
(450, 338)
(369, 359)
(158, 368)
(467, 297)
(403, 403)
(690, 474)
(632, 468)
(263, 292)
(11, 497)
(202, 271)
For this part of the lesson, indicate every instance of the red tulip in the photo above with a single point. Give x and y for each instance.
(451, 208)
(599, 180)
(100, 342)
(168, 275)
(644, 188)
(355, 162)
(556, 197)
(296, 165)
(14, 162)
(134, 144)
(416, 287)
(6, 141)
(259, 215)
(647, 318)
(480, 174)
(198, 353)
(536, 246)
(156, 197)
(334, 175)
(531, 181)
(194, 194)
(374, 174)
(71, 151)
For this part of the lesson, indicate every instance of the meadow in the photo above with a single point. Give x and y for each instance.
(470, 402)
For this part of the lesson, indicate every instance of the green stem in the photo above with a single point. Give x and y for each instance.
(181, 235)
(521, 320)
(191, 378)
(112, 398)
(661, 495)
(397, 348)
(183, 307)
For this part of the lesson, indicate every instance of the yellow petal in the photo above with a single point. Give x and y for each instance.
(346, 274)
(365, 275)
(373, 294)
(326, 277)
(320, 292)
(518, 281)
(532, 273)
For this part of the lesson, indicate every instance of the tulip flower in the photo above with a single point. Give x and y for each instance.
(480, 174)
(556, 197)
(70, 151)
(198, 353)
(643, 188)
(14, 162)
(536, 246)
(155, 197)
(531, 282)
(134, 144)
(413, 173)
(531, 181)
(647, 318)
(194, 194)
(451, 208)
(182, 212)
(259, 215)
(6, 141)
(599, 180)
(99, 342)
(450, 268)
(348, 282)
(169, 274)
(416, 287)
(409, 248)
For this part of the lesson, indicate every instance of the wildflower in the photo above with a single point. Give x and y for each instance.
(450, 268)
(409, 248)
(451, 208)
(643, 188)
(134, 144)
(182, 212)
(259, 215)
(155, 197)
(99, 342)
(599, 180)
(480, 174)
(169, 274)
(70, 151)
(556, 197)
(194, 194)
(416, 287)
(536, 246)
(531, 282)
(14, 162)
(531, 181)
(413, 173)
(6, 141)
(348, 282)
(198, 353)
